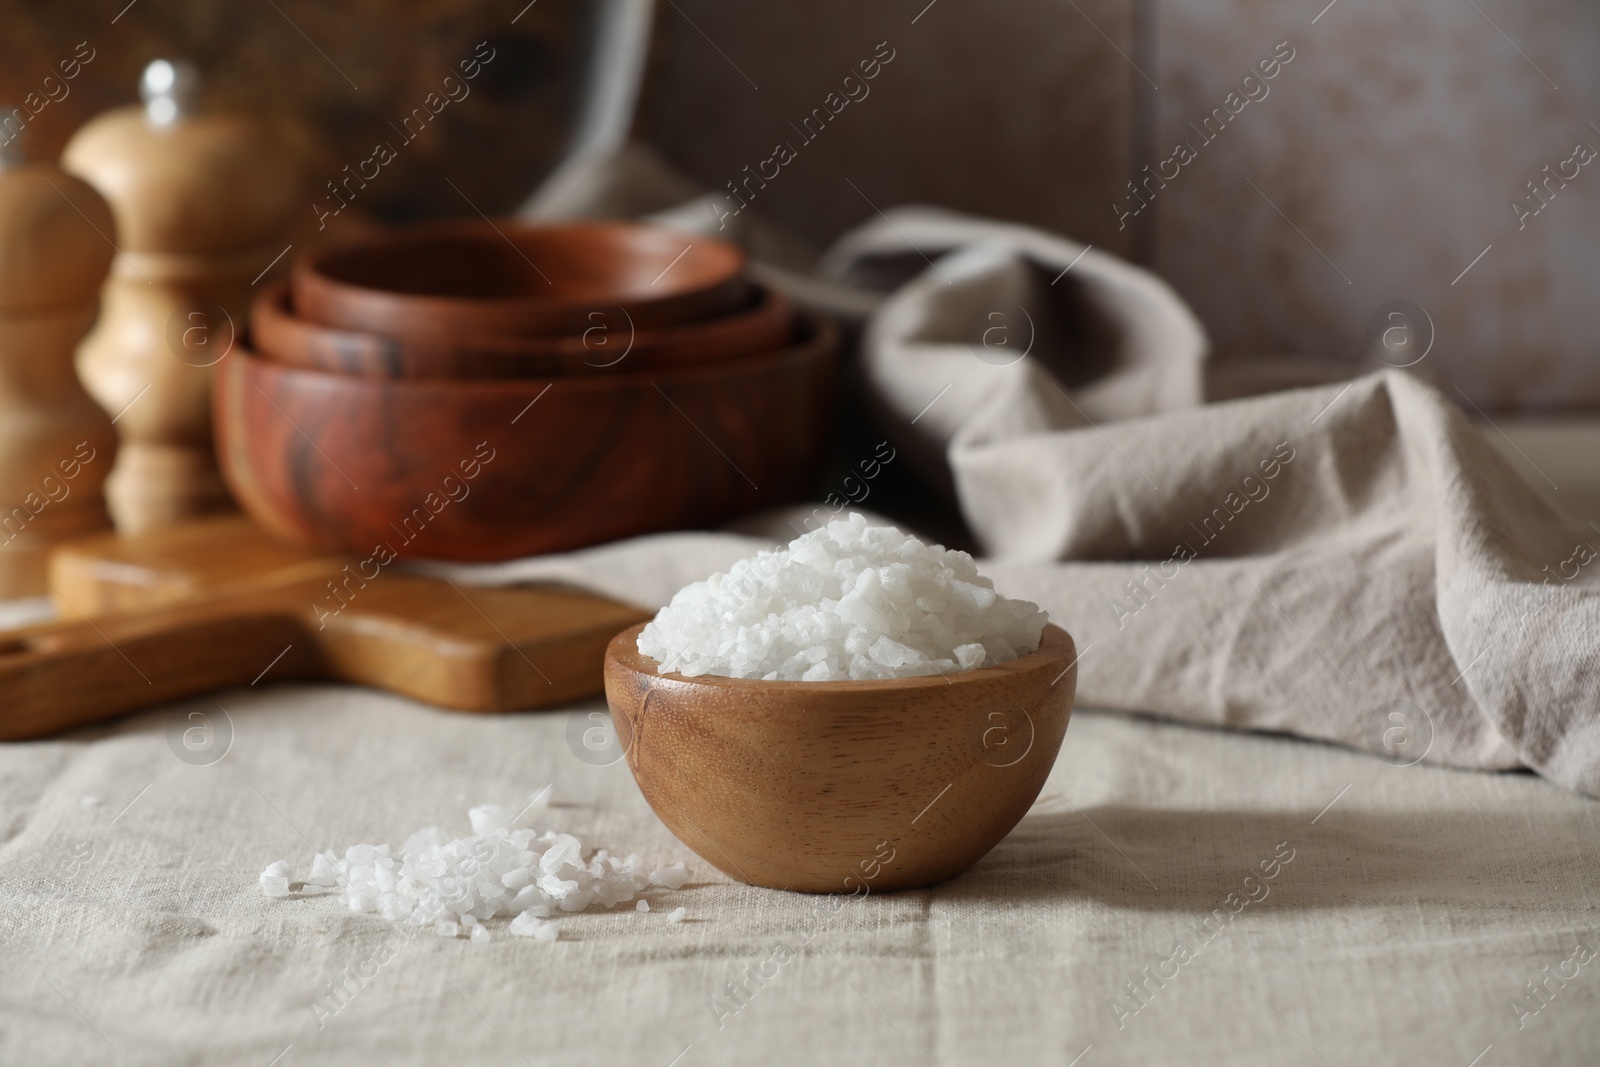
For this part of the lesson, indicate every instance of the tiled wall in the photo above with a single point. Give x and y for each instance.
(942, 124)
(1380, 163)
(1395, 142)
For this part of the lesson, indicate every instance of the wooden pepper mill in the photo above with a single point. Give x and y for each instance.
(56, 445)
(203, 200)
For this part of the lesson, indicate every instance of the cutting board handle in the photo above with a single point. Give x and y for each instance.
(65, 674)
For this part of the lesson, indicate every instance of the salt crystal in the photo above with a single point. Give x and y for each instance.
(678, 915)
(458, 885)
(275, 879)
(489, 818)
(674, 877)
(643, 905)
(429, 837)
(577, 901)
(323, 871)
(564, 852)
(847, 601)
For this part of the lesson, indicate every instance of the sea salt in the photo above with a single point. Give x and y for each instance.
(674, 877)
(525, 925)
(677, 915)
(847, 601)
(489, 818)
(455, 885)
(275, 879)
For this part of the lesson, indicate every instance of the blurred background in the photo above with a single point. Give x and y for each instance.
(1384, 162)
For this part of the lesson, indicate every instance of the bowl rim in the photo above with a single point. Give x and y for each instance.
(1055, 646)
(276, 302)
(819, 340)
(307, 269)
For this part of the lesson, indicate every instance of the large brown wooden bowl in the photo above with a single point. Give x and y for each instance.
(608, 345)
(842, 787)
(504, 279)
(494, 470)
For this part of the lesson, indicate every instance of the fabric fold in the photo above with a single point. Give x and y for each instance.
(1352, 563)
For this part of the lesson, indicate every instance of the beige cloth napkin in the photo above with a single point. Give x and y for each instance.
(1351, 562)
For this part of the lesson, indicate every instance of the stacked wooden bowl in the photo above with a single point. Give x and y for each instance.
(486, 390)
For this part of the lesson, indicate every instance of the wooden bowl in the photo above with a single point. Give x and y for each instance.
(505, 279)
(764, 323)
(497, 469)
(842, 787)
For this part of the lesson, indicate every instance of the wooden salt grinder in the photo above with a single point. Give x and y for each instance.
(56, 446)
(203, 200)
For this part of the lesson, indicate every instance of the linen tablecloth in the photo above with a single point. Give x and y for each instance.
(1405, 913)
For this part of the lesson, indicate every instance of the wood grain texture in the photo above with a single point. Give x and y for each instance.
(488, 279)
(109, 574)
(487, 470)
(202, 206)
(217, 605)
(56, 446)
(606, 345)
(211, 183)
(840, 787)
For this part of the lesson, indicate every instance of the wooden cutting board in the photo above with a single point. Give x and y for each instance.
(215, 603)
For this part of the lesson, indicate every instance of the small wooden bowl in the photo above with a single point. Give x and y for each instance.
(496, 469)
(608, 345)
(507, 279)
(843, 787)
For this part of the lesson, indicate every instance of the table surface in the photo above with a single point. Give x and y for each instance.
(1412, 908)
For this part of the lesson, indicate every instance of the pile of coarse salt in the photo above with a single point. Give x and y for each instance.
(456, 885)
(845, 601)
